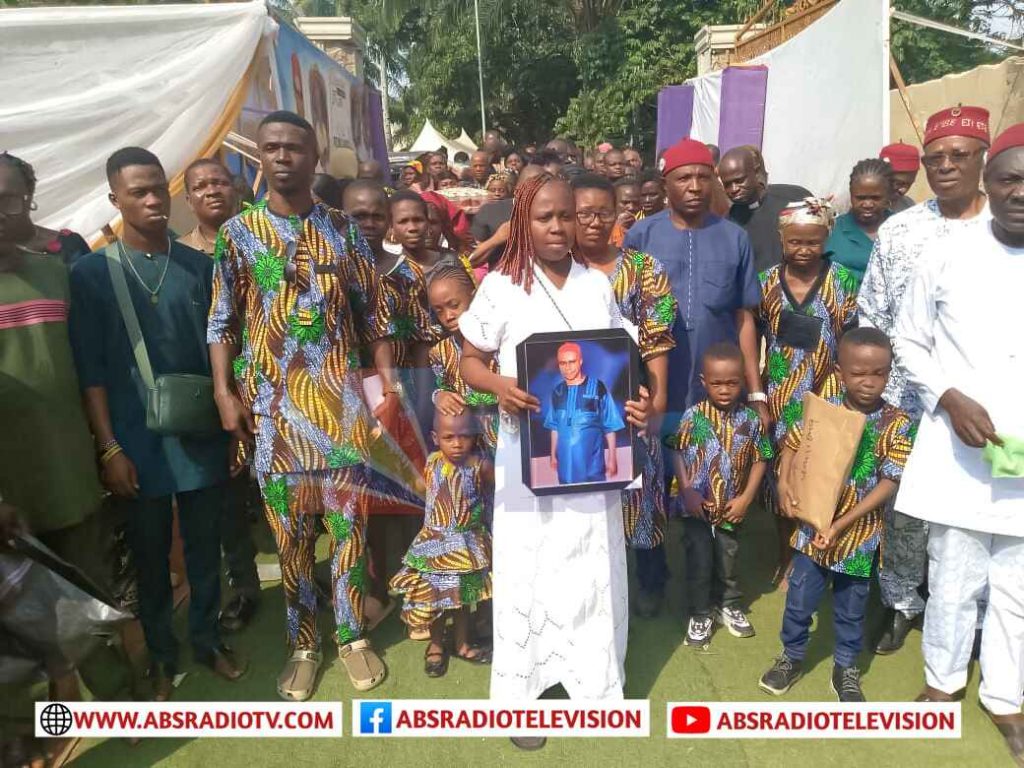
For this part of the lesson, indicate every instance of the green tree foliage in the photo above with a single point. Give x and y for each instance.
(529, 75)
(925, 54)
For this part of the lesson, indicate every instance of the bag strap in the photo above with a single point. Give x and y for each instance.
(131, 319)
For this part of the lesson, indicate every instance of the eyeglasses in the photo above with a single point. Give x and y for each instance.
(587, 217)
(14, 205)
(959, 158)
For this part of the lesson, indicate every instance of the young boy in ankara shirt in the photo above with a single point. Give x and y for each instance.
(846, 550)
(720, 459)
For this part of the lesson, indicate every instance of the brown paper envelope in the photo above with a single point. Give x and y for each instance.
(821, 467)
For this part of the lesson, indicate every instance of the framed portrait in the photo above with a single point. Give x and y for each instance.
(580, 441)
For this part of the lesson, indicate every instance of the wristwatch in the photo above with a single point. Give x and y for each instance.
(757, 397)
(395, 389)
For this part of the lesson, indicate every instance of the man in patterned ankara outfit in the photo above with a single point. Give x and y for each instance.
(954, 155)
(294, 297)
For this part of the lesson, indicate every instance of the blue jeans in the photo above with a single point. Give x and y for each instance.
(807, 584)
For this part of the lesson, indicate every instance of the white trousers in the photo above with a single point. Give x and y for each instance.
(962, 563)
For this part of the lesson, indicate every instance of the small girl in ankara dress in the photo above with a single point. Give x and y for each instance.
(449, 294)
(447, 569)
(806, 303)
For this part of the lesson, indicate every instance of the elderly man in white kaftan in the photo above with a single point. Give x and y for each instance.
(958, 339)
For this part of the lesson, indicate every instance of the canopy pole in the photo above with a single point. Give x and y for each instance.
(480, 70)
(923, 22)
(905, 96)
(886, 61)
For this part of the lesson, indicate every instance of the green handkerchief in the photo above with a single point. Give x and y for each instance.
(1007, 460)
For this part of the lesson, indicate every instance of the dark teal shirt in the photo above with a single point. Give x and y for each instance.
(174, 330)
(850, 246)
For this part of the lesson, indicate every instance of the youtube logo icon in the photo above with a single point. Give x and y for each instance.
(689, 719)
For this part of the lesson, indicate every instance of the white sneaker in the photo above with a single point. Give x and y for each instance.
(698, 632)
(735, 620)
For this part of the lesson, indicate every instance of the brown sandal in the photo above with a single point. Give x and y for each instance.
(935, 696)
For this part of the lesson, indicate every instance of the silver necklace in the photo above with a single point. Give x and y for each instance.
(154, 293)
(551, 298)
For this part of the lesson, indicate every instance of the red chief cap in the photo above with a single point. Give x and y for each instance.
(958, 121)
(1008, 139)
(686, 152)
(901, 157)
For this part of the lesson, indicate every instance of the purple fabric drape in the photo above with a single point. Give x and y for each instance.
(675, 115)
(741, 115)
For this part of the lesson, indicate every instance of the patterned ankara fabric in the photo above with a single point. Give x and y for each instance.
(300, 296)
(789, 371)
(881, 455)
(719, 448)
(645, 299)
(448, 563)
(445, 357)
(294, 503)
(404, 304)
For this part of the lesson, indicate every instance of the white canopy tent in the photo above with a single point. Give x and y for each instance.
(823, 111)
(431, 139)
(466, 141)
(82, 82)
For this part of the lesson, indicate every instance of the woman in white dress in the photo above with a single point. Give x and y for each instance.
(559, 562)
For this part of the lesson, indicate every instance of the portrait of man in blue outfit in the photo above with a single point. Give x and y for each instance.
(583, 418)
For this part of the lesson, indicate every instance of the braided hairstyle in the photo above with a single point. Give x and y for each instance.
(872, 168)
(456, 272)
(518, 259)
(25, 169)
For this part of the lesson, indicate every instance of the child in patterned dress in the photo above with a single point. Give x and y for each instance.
(449, 294)
(720, 455)
(845, 552)
(806, 303)
(446, 571)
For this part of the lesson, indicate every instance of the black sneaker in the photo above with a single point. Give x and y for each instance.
(698, 632)
(781, 677)
(895, 635)
(735, 620)
(846, 684)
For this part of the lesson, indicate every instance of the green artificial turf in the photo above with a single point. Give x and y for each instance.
(658, 668)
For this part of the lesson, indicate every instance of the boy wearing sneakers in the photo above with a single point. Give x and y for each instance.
(846, 550)
(720, 455)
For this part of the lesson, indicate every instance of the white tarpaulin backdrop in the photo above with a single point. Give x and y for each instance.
(81, 82)
(827, 102)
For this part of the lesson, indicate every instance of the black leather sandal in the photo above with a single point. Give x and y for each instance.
(435, 663)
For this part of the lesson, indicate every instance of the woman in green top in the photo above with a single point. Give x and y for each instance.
(47, 465)
(871, 193)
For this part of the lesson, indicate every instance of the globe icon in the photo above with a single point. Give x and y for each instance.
(55, 719)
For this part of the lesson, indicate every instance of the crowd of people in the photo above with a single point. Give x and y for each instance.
(356, 343)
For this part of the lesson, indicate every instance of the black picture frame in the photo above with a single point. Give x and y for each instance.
(618, 360)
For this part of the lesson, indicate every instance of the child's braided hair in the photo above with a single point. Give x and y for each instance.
(456, 272)
(517, 260)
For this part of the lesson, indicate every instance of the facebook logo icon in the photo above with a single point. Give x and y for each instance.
(374, 717)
